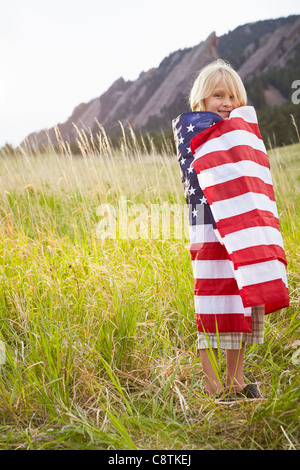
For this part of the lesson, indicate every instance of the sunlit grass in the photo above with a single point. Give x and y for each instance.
(100, 335)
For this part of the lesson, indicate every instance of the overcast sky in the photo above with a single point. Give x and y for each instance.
(56, 54)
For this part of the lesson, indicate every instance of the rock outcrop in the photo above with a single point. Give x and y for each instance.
(159, 94)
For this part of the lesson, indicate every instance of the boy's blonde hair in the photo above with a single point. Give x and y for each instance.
(207, 80)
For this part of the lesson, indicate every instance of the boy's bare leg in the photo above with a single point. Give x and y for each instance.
(209, 364)
(235, 368)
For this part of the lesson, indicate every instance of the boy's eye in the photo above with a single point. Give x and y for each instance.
(220, 95)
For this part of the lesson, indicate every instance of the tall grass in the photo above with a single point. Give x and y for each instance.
(99, 334)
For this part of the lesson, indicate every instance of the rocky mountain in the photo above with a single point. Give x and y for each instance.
(265, 53)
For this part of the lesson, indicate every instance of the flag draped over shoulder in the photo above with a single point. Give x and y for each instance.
(237, 252)
(233, 172)
(218, 304)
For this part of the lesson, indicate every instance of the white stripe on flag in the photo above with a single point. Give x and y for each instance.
(220, 304)
(202, 234)
(231, 171)
(245, 112)
(241, 204)
(261, 272)
(229, 140)
(213, 269)
(253, 236)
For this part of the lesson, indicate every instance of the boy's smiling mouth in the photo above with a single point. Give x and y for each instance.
(224, 113)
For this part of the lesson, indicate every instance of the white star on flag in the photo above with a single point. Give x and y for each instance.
(203, 200)
(181, 140)
(182, 161)
(194, 212)
(190, 128)
(190, 169)
(192, 190)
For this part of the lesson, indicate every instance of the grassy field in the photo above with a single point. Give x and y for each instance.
(99, 333)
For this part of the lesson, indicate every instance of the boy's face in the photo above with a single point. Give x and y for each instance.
(220, 101)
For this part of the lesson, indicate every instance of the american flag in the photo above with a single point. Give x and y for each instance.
(237, 251)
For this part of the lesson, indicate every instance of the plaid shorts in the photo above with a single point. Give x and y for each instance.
(235, 340)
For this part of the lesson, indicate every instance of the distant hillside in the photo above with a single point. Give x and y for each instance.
(265, 53)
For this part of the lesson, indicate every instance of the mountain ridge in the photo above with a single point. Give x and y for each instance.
(150, 102)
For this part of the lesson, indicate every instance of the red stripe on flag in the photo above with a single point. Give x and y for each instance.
(242, 185)
(233, 322)
(216, 287)
(258, 254)
(274, 294)
(208, 251)
(282, 303)
(236, 154)
(255, 218)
